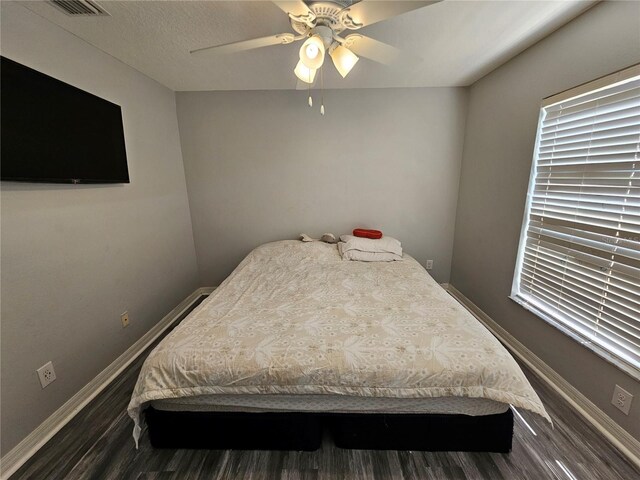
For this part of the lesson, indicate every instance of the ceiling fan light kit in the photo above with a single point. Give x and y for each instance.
(343, 59)
(321, 24)
(312, 52)
(305, 74)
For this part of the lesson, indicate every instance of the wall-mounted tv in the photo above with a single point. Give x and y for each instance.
(56, 133)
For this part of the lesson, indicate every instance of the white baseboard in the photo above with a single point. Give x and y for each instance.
(22, 452)
(618, 436)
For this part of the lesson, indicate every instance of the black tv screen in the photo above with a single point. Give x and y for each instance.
(56, 133)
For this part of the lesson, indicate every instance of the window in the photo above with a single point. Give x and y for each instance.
(578, 264)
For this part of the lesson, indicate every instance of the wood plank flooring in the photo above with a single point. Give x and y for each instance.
(97, 444)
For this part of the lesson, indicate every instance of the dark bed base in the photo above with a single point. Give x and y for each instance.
(235, 431)
(303, 431)
(432, 433)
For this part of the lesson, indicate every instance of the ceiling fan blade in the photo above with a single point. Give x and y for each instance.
(366, 13)
(372, 49)
(279, 39)
(297, 9)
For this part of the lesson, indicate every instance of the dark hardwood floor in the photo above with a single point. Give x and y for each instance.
(97, 444)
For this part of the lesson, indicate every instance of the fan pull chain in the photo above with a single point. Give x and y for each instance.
(321, 91)
(310, 99)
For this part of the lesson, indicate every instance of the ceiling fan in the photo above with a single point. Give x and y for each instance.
(321, 24)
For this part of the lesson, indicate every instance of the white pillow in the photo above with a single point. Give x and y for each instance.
(360, 256)
(380, 245)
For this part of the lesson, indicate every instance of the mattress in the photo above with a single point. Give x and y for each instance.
(295, 319)
(331, 404)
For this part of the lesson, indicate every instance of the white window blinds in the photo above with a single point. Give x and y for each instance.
(579, 258)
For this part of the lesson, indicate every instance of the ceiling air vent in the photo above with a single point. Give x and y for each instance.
(85, 8)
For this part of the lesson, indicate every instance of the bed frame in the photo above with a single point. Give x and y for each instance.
(303, 431)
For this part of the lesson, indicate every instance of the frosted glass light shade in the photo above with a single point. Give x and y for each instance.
(343, 59)
(312, 52)
(305, 74)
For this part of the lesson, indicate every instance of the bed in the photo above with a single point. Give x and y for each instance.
(297, 341)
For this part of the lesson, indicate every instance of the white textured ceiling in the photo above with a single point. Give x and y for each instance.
(452, 43)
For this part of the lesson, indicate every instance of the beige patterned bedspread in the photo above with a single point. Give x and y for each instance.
(294, 318)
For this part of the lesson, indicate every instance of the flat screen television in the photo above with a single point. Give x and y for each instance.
(56, 133)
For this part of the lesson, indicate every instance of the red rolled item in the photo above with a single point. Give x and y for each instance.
(366, 233)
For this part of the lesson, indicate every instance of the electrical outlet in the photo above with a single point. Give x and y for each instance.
(429, 264)
(46, 374)
(622, 399)
(124, 318)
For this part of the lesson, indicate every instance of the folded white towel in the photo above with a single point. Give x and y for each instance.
(380, 245)
(360, 256)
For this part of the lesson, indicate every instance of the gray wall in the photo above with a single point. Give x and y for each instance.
(263, 166)
(498, 150)
(75, 257)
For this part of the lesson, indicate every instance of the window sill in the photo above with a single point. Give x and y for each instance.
(627, 368)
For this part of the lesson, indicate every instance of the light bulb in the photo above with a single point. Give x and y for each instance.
(310, 101)
(322, 109)
(312, 50)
